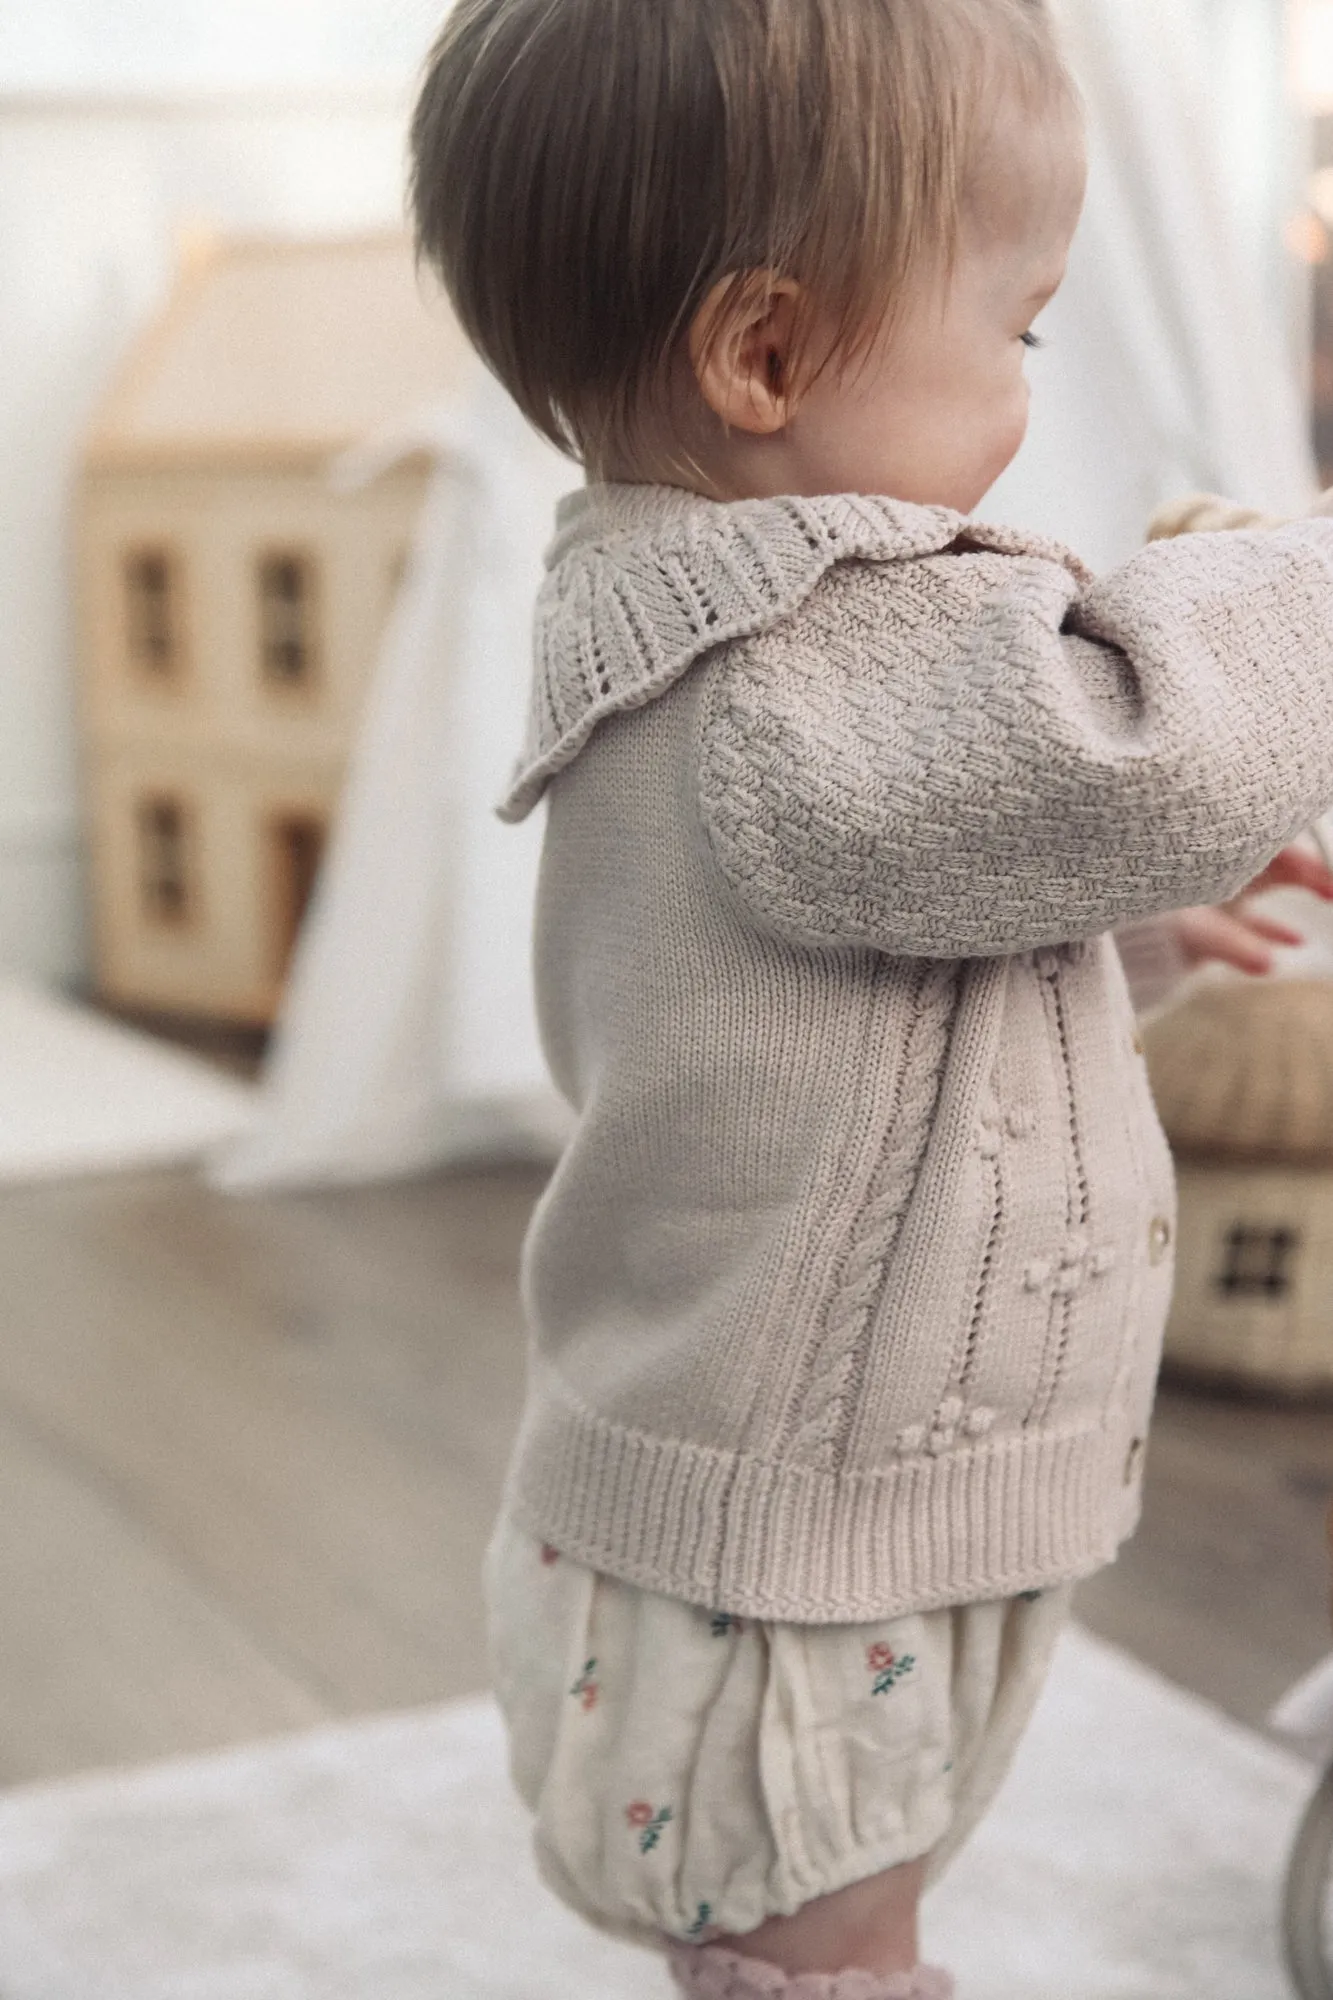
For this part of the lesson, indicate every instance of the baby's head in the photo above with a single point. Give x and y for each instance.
(755, 246)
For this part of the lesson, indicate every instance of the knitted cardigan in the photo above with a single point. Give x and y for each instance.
(846, 1297)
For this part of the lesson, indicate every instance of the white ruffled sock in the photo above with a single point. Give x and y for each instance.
(709, 1972)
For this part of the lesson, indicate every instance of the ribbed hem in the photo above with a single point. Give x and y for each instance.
(796, 1544)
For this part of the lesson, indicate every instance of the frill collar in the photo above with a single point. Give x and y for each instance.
(643, 580)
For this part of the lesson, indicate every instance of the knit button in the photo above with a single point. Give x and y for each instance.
(1102, 1261)
(1159, 1239)
(1037, 1274)
(979, 1422)
(1132, 1458)
(1019, 1124)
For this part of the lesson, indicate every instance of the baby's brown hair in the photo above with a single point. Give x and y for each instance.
(585, 173)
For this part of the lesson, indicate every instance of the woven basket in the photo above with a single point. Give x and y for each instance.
(1243, 1075)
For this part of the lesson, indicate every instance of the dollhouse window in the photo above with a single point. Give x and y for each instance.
(151, 578)
(1257, 1263)
(165, 894)
(288, 618)
(297, 842)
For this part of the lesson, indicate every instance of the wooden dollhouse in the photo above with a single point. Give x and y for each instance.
(1242, 1073)
(233, 595)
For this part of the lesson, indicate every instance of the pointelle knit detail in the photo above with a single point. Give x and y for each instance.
(614, 630)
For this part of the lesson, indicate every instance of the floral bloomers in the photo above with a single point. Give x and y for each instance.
(693, 1773)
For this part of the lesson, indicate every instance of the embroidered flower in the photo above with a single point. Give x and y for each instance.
(886, 1666)
(701, 1922)
(723, 1622)
(647, 1823)
(549, 1555)
(585, 1687)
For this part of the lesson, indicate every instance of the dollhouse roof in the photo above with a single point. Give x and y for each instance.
(284, 352)
(1242, 1072)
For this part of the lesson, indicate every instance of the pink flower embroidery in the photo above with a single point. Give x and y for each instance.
(585, 1687)
(647, 1823)
(886, 1666)
(549, 1555)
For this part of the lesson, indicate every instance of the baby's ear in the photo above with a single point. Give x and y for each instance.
(743, 346)
(1206, 514)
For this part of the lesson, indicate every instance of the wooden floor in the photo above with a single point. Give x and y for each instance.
(250, 1451)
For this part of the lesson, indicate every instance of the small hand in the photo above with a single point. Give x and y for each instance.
(1236, 935)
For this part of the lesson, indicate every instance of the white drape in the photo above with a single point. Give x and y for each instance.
(409, 1035)
(1173, 356)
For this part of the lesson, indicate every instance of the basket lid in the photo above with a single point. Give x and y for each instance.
(1243, 1070)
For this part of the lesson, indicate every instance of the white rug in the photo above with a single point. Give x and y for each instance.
(80, 1094)
(1135, 1855)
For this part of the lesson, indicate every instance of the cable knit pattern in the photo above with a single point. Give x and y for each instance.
(861, 1280)
(845, 799)
(709, 1972)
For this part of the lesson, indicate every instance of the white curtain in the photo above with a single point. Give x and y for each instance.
(1174, 350)
(408, 1036)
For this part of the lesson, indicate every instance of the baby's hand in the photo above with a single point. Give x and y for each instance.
(1234, 934)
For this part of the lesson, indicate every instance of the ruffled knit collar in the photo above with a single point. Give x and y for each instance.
(643, 580)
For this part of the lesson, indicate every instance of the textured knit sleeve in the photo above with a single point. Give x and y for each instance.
(979, 753)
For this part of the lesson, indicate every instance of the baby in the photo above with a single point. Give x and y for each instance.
(846, 1297)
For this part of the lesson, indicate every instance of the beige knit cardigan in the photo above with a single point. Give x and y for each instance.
(846, 1297)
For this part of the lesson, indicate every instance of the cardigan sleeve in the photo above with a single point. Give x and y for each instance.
(980, 753)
